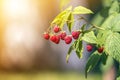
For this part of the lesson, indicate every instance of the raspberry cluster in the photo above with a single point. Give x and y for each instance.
(90, 48)
(61, 35)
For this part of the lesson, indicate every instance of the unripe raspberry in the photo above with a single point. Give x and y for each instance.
(56, 29)
(89, 48)
(100, 49)
(57, 39)
(75, 34)
(53, 38)
(68, 39)
(62, 35)
(46, 36)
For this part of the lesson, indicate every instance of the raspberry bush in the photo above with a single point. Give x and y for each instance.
(102, 35)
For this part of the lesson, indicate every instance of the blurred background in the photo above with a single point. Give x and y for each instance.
(25, 55)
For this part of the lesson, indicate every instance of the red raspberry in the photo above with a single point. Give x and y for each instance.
(68, 39)
(46, 36)
(56, 29)
(53, 38)
(57, 39)
(100, 49)
(75, 34)
(89, 48)
(62, 35)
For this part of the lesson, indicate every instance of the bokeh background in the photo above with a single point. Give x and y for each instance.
(25, 55)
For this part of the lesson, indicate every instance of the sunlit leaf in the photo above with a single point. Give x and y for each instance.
(114, 7)
(82, 10)
(89, 37)
(70, 21)
(112, 46)
(79, 48)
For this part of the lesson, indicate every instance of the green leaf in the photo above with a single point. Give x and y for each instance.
(82, 10)
(89, 37)
(112, 23)
(79, 48)
(59, 17)
(62, 17)
(112, 46)
(102, 36)
(108, 65)
(70, 21)
(104, 58)
(69, 52)
(118, 78)
(114, 7)
(83, 27)
(92, 61)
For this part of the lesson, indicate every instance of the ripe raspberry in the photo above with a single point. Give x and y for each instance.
(100, 49)
(89, 48)
(46, 36)
(68, 39)
(53, 38)
(75, 34)
(62, 35)
(57, 39)
(56, 29)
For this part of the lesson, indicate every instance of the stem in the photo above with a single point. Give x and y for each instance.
(93, 26)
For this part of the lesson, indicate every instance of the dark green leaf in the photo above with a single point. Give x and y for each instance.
(92, 61)
(104, 58)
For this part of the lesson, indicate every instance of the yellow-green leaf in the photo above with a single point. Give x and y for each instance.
(82, 10)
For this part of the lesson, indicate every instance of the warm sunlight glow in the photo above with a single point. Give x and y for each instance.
(14, 8)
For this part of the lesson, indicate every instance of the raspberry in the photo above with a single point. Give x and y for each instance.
(53, 38)
(75, 34)
(62, 35)
(46, 36)
(56, 29)
(89, 48)
(68, 39)
(100, 49)
(57, 39)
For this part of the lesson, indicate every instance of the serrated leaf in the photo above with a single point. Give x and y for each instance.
(112, 23)
(89, 37)
(92, 61)
(69, 52)
(102, 36)
(70, 21)
(114, 7)
(82, 10)
(112, 46)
